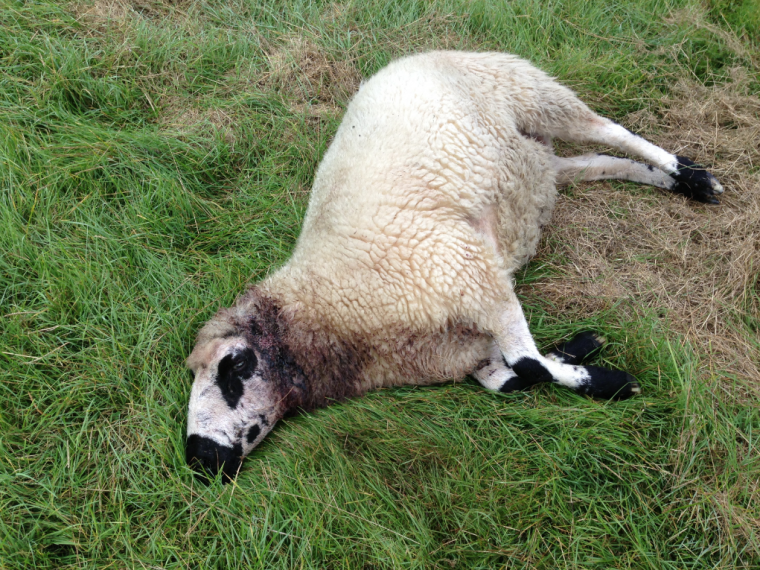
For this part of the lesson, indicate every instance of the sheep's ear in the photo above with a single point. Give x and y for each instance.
(202, 353)
(196, 358)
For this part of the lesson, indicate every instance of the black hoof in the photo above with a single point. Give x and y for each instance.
(693, 181)
(609, 384)
(578, 348)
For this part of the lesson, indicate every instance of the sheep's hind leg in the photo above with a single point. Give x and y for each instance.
(526, 366)
(566, 117)
(494, 374)
(605, 167)
(688, 178)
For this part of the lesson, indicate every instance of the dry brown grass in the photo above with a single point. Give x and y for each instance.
(117, 18)
(180, 115)
(108, 15)
(121, 11)
(698, 264)
(310, 78)
(103, 11)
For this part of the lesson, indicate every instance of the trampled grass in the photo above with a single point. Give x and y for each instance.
(156, 156)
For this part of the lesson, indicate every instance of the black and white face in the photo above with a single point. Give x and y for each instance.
(232, 406)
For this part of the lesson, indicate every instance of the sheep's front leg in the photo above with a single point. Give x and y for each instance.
(525, 366)
(494, 374)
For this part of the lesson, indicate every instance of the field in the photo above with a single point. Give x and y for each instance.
(156, 157)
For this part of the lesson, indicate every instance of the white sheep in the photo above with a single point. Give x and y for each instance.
(432, 194)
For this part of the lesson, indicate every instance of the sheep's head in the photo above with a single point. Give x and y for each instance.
(244, 383)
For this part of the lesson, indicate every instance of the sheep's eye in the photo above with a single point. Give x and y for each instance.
(238, 363)
(241, 363)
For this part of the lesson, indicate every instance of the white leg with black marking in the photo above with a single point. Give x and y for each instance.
(494, 374)
(604, 167)
(603, 131)
(527, 366)
(566, 117)
(689, 178)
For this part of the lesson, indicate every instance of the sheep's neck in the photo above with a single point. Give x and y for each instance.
(312, 365)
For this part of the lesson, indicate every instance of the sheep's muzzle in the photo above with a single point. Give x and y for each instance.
(207, 458)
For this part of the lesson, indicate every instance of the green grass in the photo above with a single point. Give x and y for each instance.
(120, 234)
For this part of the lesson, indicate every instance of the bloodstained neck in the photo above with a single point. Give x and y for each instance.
(311, 366)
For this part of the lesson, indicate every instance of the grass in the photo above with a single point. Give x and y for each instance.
(156, 156)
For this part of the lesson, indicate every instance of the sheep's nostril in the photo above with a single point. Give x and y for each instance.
(206, 458)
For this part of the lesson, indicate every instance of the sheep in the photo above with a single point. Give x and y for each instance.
(432, 193)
